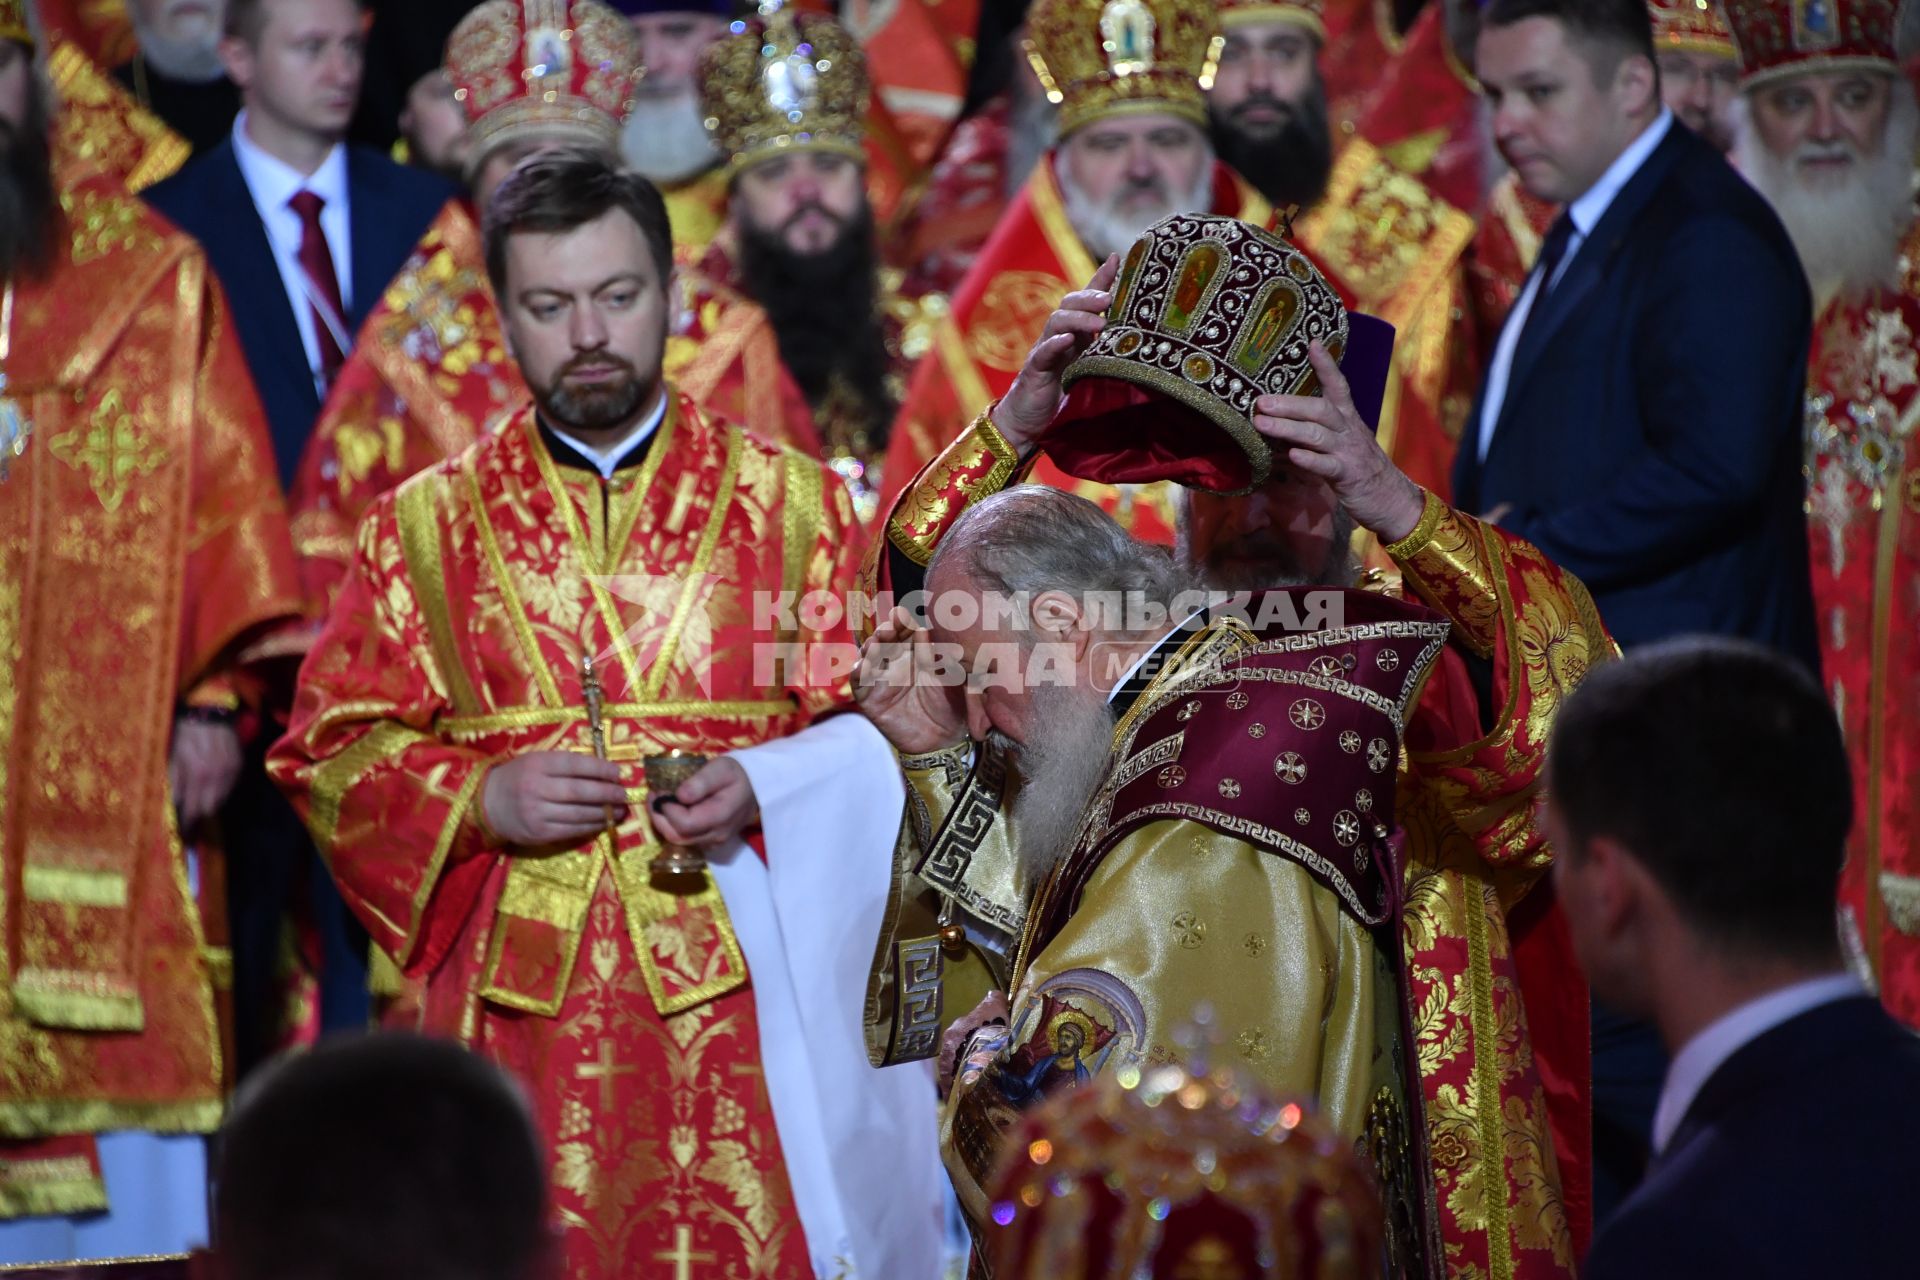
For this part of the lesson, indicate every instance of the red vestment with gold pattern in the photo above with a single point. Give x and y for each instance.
(456, 642)
(1034, 259)
(143, 544)
(964, 199)
(1361, 43)
(100, 29)
(919, 53)
(428, 373)
(102, 130)
(1863, 499)
(1392, 229)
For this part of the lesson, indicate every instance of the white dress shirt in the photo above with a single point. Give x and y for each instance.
(606, 460)
(1708, 1051)
(1585, 213)
(273, 184)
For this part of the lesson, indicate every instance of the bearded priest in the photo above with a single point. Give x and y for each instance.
(1130, 79)
(789, 320)
(524, 628)
(143, 554)
(429, 371)
(1118, 849)
(1826, 127)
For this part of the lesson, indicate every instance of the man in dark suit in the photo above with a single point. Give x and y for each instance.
(303, 230)
(1699, 801)
(1641, 417)
(304, 234)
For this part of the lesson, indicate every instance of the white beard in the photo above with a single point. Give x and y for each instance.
(190, 54)
(666, 140)
(1103, 228)
(1847, 228)
(1052, 777)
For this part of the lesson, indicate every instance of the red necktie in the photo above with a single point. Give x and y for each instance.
(316, 259)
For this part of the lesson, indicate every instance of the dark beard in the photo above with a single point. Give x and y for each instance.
(1290, 167)
(825, 311)
(593, 408)
(29, 208)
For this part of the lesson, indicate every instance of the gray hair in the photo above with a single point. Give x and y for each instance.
(1034, 538)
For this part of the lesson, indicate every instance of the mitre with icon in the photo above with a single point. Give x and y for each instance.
(1208, 314)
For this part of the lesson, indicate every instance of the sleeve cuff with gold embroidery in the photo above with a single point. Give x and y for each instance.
(1431, 513)
(930, 761)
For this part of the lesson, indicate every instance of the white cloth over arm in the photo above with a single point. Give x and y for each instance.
(861, 1145)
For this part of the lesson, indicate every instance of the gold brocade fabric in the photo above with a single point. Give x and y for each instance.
(456, 642)
(1178, 916)
(1395, 249)
(143, 542)
(696, 210)
(99, 128)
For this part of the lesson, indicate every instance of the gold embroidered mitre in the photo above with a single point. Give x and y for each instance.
(1099, 58)
(1689, 26)
(785, 82)
(1779, 38)
(556, 70)
(13, 22)
(1310, 14)
(1208, 314)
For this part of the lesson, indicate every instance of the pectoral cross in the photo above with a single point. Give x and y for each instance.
(682, 1255)
(596, 701)
(606, 1071)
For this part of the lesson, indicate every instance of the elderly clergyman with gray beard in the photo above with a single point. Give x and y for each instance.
(1118, 814)
(1826, 126)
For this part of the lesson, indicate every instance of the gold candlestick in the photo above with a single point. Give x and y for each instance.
(665, 776)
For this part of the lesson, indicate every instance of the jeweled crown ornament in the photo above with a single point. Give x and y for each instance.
(555, 70)
(1690, 26)
(1778, 38)
(785, 82)
(1180, 1172)
(1098, 58)
(13, 22)
(1208, 314)
(1310, 14)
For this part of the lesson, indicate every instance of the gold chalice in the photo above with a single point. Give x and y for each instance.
(665, 776)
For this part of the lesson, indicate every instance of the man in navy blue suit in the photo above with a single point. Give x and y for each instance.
(304, 233)
(1641, 417)
(1699, 802)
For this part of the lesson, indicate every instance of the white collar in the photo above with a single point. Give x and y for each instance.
(274, 182)
(607, 460)
(1587, 211)
(1709, 1049)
